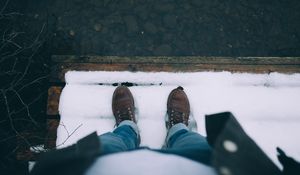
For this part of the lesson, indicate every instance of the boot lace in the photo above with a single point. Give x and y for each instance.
(126, 114)
(177, 117)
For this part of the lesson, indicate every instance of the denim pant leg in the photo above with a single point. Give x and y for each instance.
(188, 144)
(124, 137)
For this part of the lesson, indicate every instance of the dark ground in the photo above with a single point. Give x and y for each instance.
(165, 27)
(124, 27)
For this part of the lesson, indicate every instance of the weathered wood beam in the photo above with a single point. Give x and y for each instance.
(175, 60)
(50, 140)
(53, 100)
(53, 117)
(64, 63)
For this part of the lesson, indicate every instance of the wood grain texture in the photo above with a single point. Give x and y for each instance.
(175, 60)
(60, 69)
(51, 136)
(65, 63)
(53, 117)
(53, 100)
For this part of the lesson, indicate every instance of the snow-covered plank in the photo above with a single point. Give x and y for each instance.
(266, 105)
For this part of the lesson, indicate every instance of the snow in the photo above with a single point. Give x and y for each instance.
(267, 105)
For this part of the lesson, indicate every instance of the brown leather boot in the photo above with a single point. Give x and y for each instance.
(123, 105)
(178, 108)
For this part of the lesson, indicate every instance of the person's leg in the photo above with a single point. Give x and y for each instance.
(181, 141)
(124, 137)
(179, 136)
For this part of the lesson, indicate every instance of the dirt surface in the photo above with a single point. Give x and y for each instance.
(165, 27)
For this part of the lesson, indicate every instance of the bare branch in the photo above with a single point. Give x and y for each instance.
(32, 82)
(4, 7)
(10, 118)
(33, 101)
(25, 105)
(69, 134)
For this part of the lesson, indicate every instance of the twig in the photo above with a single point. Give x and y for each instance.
(4, 7)
(10, 118)
(32, 82)
(25, 105)
(29, 104)
(69, 135)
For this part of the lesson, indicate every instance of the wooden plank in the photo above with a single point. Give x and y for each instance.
(53, 117)
(50, 140)
(176, 60)
(60, 69)
(53, 100)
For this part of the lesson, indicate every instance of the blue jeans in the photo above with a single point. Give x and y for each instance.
(180, 141)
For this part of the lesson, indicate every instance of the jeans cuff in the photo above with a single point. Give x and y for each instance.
(174, 129)
(131, 124)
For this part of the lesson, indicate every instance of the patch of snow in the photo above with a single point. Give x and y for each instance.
(31, 165)
(267, 105)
